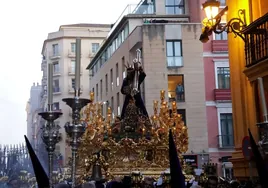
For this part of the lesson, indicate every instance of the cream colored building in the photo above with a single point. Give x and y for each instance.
(59, 49)
(171, 54)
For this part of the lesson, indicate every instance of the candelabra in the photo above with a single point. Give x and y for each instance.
(50, 136)
(144, 150)
(76, 128)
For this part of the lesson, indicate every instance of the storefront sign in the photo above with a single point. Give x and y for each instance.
(191, 160)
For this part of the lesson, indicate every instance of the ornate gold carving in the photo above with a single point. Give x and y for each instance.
(121, 153)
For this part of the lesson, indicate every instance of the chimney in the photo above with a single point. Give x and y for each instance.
(34, 84)
(37, 83)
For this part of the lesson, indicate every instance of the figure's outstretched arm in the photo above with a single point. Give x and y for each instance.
(125, 89)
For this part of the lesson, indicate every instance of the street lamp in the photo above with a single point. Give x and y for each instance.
(211, 8)
(212, 22)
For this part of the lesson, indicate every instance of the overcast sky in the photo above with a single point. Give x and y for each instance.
(24, 26)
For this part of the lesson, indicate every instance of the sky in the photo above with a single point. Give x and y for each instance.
(25, 24)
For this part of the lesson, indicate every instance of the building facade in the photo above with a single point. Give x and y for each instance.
(172, 57)
(59, 49)
(248, 61)
(218, 101)
(32, 109)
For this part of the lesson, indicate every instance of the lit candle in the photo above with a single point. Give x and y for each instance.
(162, 92)
(263, 100)
(109, 111)
(92, 96)
(77, 63)
(50, 84)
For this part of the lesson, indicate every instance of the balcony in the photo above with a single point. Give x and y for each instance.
(173, 97)
(256, 42)
(219, 46)
(226, 141)
(43, 65)
(222, 95)
(72, 54)
(139, 9)
(44, 81)
(174, 62)
(71, 71)
(56, 90)
(56, 73)
(54, 56)
(71, 89)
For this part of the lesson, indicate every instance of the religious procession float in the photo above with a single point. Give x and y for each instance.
(133, 146)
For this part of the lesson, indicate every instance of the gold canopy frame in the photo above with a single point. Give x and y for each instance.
(120, 153)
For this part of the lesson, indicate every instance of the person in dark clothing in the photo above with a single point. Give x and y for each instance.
(133, 108)
(212, 182)
(180, 92)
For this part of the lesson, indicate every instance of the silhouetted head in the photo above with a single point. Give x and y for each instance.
(88, 185)
(62, 185)
(212, 182)
(114, 184)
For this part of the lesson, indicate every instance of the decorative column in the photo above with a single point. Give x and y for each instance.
(243, 100)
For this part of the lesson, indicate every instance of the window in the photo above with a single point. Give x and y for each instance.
(126, 31)
(123, 68)
(73, 47)
(56, 106)
(174, 53)
(117, 74)
(112, 80)
(73, 83)
(95, 47)
(175, 7)
(56, 86)
(106, 84)
(112, 104)
(56, 67)
(100, 89)
(182, 112)
(221, 36)
(97, 91)
(176, 88)
(118, 103)
(223, 74)
(226, 123)
(72, 66)
(55, 48)
(223, 2)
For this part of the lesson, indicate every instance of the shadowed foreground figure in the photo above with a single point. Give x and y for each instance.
(260, 163)
(177, 178)
(40, 174)
(115, 184)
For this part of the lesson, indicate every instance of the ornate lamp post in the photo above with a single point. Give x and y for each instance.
(50, 134)
(76, 128)
(212, 22)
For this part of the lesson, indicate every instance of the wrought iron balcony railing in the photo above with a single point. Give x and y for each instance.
(256, 41)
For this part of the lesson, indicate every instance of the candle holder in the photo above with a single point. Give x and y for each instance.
(50, 137)
(76, 128)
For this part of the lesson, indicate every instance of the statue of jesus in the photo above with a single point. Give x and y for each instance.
(134, 114)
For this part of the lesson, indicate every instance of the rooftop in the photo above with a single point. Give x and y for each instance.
(85, 25)
(145, 7)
